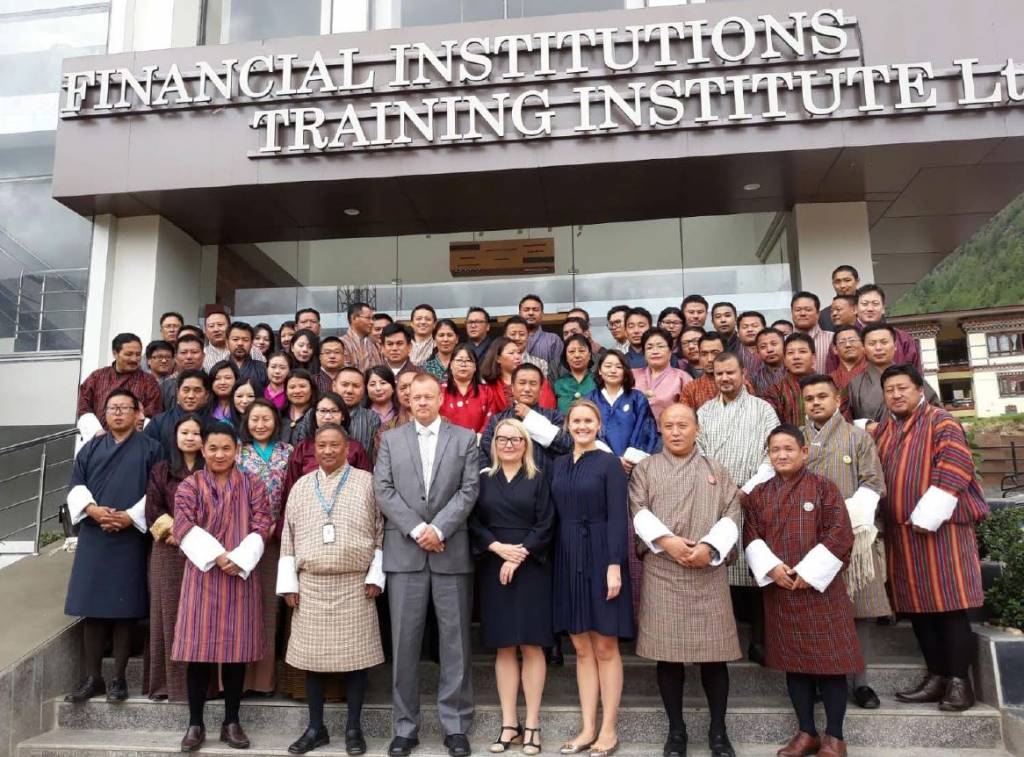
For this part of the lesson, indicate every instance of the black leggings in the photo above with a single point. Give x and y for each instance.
(946, 641)
(95, 632)
(714, 677)
(802, 687)
(197, 681)
(355, 692)
(748, 605)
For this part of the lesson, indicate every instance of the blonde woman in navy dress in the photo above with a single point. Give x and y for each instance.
(592, 597)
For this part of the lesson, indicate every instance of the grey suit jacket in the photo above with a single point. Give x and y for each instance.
(398, 484)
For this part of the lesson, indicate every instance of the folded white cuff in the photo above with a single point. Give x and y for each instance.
(934, 508)
(764, 472)
(722, 537)
(862, 506)
(415, 533)
(862, 423)
(650, 528)
(201, 548)
(761, 560)
(247, 554)
(287, 576)
(88, 425)
(819, 567)
(375, 575)
(634, 455)
(602, 446)
(137, 513)
(541, 430)
(79, 498)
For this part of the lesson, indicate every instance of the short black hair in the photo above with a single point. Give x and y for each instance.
(217, 428)
(798, 336)
(868, 288)
(527, 367)
(513, 320)
(840, 329)
(581, 322)
(171, 314)
(158, 344)
(906, 369)
(849, 298)
(122, 392)
(194, 373)
(670, 310)
(242, 326)
(643, 312)
(478, 309)
(119, 341)
(332, 427)
(423, 306)
(787, 429)
(723, 356)
(617, 309)
(848, 269)
(396, 328)
(379, 315)
(769, 330)
(782, 320)
(531, 296)
(877, 327)
(314, 311)
(450, 324)
(723, 304)
(575, 339)
(711, 336)
(194, 331)
(693, 298)
(817, 378)
(752, 314)
(653, 332)
(628, 381)
(586, 313)
(805, 295)
(697, 329)
(355, 309)
(330, 340)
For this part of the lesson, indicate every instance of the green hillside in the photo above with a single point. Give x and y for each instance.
(987, 270)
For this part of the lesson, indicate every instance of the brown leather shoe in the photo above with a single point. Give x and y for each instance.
(194, 738)
(931, 689)
(959, 695)
(800, 745)
(832, 747)
(233, 735)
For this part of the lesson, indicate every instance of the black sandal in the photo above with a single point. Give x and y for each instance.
(500, 746)
(529, 745)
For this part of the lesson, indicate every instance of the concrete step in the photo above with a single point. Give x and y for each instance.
(756, 720)
(887, 675)
(157, 744)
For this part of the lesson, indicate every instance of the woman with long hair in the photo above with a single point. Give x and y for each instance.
(297, 414)
(578, 381)
(223, 377)
(279, 365)
(243, 394)
(284, 336)
(305, 351)
(166, 561)
(502, 358)
(446, 338)
(264, 340)
(465, 400)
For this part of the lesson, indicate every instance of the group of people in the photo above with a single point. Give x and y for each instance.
(800, 476)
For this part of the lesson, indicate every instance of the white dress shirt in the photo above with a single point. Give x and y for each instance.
(427, 437)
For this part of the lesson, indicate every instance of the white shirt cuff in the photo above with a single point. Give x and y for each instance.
(649, 528)
(764, 472)
(247, 554)
(137, 513)
(602, 446)
(761, 560)
(634, 455)
(819, 567)
(541, 430)
(287, 576)
(201, 548)
(722, 537)
(88, 425)
(862, 423)
(861, 507)
(375, 575)
(79, 498)
(415, 533)
(934, 508)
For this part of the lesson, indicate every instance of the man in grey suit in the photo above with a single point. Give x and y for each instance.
(426, 480)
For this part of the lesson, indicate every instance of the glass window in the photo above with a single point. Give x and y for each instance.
(427, 12)
(246, 20)
(1000, 345)
(1011, 386)
(554, 7)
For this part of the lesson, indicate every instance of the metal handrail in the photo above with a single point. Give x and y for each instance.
(41, 491)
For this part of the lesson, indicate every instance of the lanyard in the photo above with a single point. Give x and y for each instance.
(329, 506)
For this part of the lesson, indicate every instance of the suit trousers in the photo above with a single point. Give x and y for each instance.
(409, 595)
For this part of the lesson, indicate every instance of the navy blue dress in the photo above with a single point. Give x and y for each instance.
(627, 423)
(108, 577)
(514, 512)
(590, 502)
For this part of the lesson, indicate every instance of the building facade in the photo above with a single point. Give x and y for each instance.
(272, 156)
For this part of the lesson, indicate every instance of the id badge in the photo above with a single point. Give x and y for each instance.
(329, 533)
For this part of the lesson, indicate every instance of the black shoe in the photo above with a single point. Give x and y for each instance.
(866, 698)
(931, 689)
(118, 691)
(554, 653)
(675, 745)
(458, 745)
(755, 653)
(959, 696)
(89, 688)
(354, 741)
(720, 745)
(402, 747)
(311, 739)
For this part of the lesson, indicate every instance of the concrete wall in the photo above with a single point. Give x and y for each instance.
(829, 235)
(42, 397)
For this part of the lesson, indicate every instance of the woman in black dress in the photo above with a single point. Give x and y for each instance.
(592, 597)
(512, 527)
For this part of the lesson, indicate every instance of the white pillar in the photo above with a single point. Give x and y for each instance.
(95, 344)
(829, 235)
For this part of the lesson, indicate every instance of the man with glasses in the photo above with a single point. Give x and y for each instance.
(478, 322)
(360, 349)
(616, 319)
(363, 422)
(848, 351)
(332, 358)
(160, 359)
(125, 372)
(107, 499)
(689, 350)
(170, 325)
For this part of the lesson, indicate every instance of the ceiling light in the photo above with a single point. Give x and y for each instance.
(752, 187)
(351, 211)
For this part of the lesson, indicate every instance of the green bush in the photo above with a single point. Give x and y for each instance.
(49, 537)
(1001, 539)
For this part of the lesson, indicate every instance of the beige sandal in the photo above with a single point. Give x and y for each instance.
(530, 746)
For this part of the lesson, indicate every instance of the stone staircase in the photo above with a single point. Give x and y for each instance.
(760, 718)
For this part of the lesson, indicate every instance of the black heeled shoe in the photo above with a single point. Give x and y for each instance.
(500, 746)
(89, 688)
(354, 741)
(311, 739)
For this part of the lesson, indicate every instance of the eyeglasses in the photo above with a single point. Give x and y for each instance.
(327, 411)
(475, 322)
(847, 342)
(462, 361)
(120, 409)
(509, 441)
